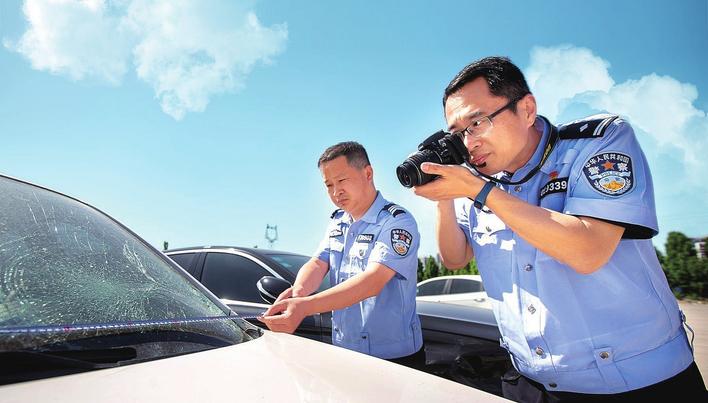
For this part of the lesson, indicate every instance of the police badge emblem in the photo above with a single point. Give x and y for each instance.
(610, 173)
(401, 241)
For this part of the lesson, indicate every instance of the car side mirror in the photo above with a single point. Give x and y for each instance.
(270, 287)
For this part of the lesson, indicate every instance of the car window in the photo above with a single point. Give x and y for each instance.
(233, 277)
(293, 263)
(434, 287)
(70, 273)
(465, 285)
(185, 261)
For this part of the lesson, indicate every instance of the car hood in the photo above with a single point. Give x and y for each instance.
(273, 367)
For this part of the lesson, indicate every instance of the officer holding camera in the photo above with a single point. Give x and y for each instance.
(370, 250)
(560, 221)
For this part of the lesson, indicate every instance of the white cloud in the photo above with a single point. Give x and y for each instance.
(74, 38)
(659, 107)
(186, 50)
(557, 74)
(190, 50)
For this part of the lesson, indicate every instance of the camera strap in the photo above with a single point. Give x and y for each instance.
(550, 143)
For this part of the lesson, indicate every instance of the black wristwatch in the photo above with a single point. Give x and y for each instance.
(481, 198)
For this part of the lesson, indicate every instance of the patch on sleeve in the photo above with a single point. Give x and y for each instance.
(401, 241)
(610, 173)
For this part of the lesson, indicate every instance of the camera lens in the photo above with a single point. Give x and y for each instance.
(409, 173)
(404, 174)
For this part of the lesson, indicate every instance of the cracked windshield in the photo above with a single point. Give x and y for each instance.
(63, 264)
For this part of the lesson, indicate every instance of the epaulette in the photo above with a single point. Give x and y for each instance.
(337, 211)
(394, 209)
(587, 128)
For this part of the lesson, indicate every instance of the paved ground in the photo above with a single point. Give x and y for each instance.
(697, 318)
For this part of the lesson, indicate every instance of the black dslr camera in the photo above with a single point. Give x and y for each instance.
(440, 148)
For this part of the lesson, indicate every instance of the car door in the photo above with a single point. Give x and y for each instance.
(432, 290)
(232, 277)
(472, 290)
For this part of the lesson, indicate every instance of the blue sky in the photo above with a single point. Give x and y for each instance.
(200, 122)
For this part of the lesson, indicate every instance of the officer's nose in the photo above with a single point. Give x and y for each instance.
(472, 143)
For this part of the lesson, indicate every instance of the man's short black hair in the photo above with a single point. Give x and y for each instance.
(502, 76)
(355, 153)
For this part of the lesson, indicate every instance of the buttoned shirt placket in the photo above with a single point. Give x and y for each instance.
(529, 307)
(345, 264)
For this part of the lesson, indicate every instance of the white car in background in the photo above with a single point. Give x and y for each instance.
(464, 287)
(90, 312)
(459, 326)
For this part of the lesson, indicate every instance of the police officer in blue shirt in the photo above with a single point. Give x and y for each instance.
(560, 221)
(370, 250)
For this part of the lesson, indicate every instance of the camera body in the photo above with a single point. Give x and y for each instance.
(440, 148)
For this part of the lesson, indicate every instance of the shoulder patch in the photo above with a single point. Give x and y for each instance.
(337, 211)
(393, 209)
(401, 241)
(588, 128)
(609, 173)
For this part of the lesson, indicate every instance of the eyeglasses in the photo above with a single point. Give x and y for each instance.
(480, 127)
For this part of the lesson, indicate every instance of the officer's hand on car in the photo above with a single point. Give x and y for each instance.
(285, 315)
(454, 181)
(284, 295)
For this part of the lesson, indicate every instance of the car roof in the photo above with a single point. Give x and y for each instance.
(253, 251)
(476, 277)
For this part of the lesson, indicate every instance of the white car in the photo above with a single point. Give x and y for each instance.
(459, 326)
(90, 312)
(452, 289)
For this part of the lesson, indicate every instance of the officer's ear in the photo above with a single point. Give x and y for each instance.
(369, 172)
(527, 108)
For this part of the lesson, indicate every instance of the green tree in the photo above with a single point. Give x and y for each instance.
(428, 267)
(687, 274)
(444, 271)
(472, 267)
(431, 267)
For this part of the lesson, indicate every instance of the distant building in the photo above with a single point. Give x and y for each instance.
(700, 245)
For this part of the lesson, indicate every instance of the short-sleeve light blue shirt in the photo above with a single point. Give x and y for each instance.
(386, 325)
(615, 330)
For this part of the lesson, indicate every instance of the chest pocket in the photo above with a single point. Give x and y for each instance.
(356, 256)
(488, 230)
(360, 251)
(493, 244)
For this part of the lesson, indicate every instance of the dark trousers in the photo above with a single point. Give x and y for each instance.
(687, 386)
(415, 360)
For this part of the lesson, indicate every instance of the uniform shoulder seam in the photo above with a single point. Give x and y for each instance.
(588, 128)
(394, 209)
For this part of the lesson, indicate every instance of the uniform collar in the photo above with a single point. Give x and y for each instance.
(540, 148)
(372, 214)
